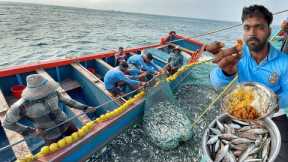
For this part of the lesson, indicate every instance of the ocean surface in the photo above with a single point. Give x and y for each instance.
(32, 33)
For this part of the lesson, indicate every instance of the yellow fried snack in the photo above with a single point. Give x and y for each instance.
(239, 104)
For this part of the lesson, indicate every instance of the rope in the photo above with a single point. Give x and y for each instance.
(97, 107)
(214, 101)
(223, 29)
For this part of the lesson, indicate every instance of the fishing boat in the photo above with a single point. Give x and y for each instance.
(81, 78)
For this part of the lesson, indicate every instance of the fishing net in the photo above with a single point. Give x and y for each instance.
(164, 121)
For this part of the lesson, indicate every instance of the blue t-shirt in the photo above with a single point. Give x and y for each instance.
(115, 75)
(271, 72)
(138, 61)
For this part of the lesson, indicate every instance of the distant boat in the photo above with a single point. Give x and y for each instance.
(81, 78)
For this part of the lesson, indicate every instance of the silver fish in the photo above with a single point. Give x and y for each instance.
(220, 125)
(253, 160)
(257, 131)
(255, 150)
(229, 157)
(266, 149)
(240, 147)
(222, 153)
(246, 153)
(241, 141)
(228, 137)
(217, 146)
(213, 140)
(250, 136)
(240, 122)
(235, 126)
(215, 131)
(245, 128)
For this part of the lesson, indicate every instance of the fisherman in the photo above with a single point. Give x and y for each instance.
(39, 104)
(118, 82)
(120, 56)
(260, 62)
(284, 31)
(143, 63)
(170, 37)
(175, 61)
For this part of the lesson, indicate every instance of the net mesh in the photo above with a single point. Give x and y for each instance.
(165, 123)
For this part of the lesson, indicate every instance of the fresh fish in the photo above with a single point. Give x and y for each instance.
(250, 136)
(253, 160)
(229, 129)
(240, 122)
(266, 149)
(245, 128)
(240, 147)
(217, 146)
(229, 157)
(228, 137)
(215, 131)
(255, 150)
(220, 125)
(257, 131)
(235, 126)
(241, 141)
(213, 140)
(246, 153)
(222, 153)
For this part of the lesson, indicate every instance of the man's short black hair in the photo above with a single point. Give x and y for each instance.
(171, 32)
(258, 11)
(149, 56)
(123, 65)
(120, 48)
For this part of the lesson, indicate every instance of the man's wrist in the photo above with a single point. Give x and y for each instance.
(228, 74)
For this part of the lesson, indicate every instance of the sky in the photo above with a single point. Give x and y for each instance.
(228, 10)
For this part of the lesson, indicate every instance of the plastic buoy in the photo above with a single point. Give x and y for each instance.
(61, 143)
(75, 136)
(45, 150)
(53, 147)
(68, 140)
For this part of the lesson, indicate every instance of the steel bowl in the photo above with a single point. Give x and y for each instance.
(270, 125)
(266, 109)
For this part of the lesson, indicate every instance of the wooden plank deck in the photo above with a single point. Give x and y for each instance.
(21, 149)
(105, 64)
(97, 82)
(83, 118)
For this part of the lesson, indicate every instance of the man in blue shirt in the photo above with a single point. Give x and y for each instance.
(259, 62)
(116, 81)
(143, 63)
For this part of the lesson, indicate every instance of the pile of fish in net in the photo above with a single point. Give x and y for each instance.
(167, 125)
(233, 140)
(133, 145)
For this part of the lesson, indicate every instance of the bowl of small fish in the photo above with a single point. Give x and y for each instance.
(249, 101)
(230, 140)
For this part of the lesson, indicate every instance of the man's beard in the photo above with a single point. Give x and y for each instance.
(257, 46)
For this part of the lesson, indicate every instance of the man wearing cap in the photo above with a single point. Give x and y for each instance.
(144, 63)
(259, 62)
(175, 61)
(117, 81)
(39, 104)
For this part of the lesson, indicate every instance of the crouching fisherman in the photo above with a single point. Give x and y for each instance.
(39, 104)
(175, 61)
(117, 80)
(143, 63)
